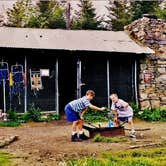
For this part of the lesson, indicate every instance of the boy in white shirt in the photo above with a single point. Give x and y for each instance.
(123, 112)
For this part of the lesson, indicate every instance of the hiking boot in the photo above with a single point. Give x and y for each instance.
(133, 135)
(74, 138)
(83, 136)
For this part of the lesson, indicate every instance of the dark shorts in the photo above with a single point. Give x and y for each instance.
(123, 119)
(71, 115)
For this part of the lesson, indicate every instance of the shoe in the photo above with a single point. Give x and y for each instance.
(74, 138)
(83, 136)
(133, 135)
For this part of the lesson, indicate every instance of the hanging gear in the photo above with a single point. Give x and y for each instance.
(4, 77)
(36, 81)
(4, 71)
(11, 79)
(17, 78)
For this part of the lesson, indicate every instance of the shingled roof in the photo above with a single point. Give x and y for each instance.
(87, 40)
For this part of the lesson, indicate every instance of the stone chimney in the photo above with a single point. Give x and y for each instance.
(151, 32)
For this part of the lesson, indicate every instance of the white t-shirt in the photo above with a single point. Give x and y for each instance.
(122, 112)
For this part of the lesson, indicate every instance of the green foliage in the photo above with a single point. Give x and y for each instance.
(161, 12)
(19, 15)
(10, 123)
(86, 17)
(141, 7)
(52, 117)
(5, 159)
(99, 138)
(12, 115)
(96, 116)
(50, 14)
(47, 14)
(119, 15)
(12, 120)
(142, 157)
(136, 109)
(153, 114)
(34, 114)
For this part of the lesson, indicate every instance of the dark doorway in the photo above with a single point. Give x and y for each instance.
(94, 75)
(121, 76)
(67, 81)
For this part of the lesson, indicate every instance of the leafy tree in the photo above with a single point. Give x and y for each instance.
(19, 15)
(119, 15)
(140, 7)
(50, 14)
(161, 12)
(86, 17)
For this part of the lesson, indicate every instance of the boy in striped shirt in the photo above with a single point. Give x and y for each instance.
(75, 111)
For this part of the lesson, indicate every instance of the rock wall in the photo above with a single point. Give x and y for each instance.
(150, 31)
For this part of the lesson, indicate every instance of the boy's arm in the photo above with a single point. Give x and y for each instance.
(115, 113)
(124, 104)
(96, 108)
(83, 112)
(115, 117)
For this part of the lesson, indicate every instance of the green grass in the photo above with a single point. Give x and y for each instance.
(99, 138)
(5, 159)
(10, 124)
(141, 157)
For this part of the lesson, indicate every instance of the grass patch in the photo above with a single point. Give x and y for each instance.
(141, 157)
(147, 114)
(99, 138)
(10, 124)
(5, 159)
(96, 116)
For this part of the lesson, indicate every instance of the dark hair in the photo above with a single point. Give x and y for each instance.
(115, 94)
(90, 92)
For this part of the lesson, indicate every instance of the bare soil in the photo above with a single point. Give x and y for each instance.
(48, 144)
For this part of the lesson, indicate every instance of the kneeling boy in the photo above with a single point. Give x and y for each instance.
(123, 112)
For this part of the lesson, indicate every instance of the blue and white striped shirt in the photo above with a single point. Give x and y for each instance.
(80, 104)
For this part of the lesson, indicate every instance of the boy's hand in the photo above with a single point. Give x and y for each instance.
(115, 119)
(102, 108)
(81, 117)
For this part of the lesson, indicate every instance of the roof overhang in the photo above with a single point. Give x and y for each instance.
(74, 40)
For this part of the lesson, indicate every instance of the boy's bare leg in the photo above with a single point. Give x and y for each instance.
(74, 127)
(130, 121)
(80, 124)
(132, 134)
(82, 136)
(74, 137)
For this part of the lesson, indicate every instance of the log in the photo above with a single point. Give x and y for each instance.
(139, 129)
(146, 145)
(8, 141)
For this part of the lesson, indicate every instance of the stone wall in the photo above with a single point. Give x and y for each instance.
(150, 31)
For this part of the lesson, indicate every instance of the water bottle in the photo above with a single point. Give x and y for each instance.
(110, 123)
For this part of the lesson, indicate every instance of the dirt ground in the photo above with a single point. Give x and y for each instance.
(48, 144)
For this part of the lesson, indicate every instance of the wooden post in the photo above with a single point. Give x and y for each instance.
(25, 85)
(56, 87)
(135, 83)
(68, 22)
(108, 83)
(79, 83)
